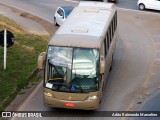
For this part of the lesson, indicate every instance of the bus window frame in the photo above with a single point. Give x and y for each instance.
(46, 62)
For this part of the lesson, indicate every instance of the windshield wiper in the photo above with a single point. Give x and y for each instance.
(61, 84)
(55, 69)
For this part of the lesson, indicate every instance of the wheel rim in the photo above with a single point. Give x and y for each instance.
(141, 7)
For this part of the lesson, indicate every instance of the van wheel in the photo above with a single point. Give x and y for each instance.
(141, 6)
(55, 22)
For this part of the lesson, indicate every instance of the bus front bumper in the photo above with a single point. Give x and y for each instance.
(85, 105)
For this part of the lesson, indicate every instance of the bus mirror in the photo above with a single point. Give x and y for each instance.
(41, 59)
(102, 65)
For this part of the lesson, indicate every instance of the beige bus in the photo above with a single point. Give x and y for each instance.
(79, 57)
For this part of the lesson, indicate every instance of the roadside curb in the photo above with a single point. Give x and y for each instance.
(144, 12)
(46, 24)
(20, 98)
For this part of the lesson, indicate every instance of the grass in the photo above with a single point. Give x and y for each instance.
(21, 60)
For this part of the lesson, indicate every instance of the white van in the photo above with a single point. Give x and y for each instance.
(148, 4)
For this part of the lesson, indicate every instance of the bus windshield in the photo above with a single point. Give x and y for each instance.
(72, 69)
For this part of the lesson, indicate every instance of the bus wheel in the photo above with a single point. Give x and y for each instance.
(101, 94)
(101, 98)
(111, 64)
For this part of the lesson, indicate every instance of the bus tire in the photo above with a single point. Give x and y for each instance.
(111, 64)
(101, 94)
(100, 101)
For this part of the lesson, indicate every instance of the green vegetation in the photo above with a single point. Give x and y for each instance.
(21, 60)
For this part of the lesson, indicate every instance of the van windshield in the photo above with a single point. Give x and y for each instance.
(72, 69)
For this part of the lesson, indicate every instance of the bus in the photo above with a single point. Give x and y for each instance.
(79, 57)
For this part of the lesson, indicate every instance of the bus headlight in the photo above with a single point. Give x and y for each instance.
(91, 98)
(48, 94)
(49, 85)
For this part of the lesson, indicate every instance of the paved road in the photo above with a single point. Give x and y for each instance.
(147, 106)
(128, 4)
(135, 75)
(38, 7)
(27, 24)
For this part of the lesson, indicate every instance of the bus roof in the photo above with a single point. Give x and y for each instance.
(85, 26)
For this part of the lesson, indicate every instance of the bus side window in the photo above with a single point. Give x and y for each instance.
(116, 19)
(114, 22)
(105, 47)
(110, 30)
(108, 38)
(102, 50)
(113, 27)
(102, 58)
(106, 42)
